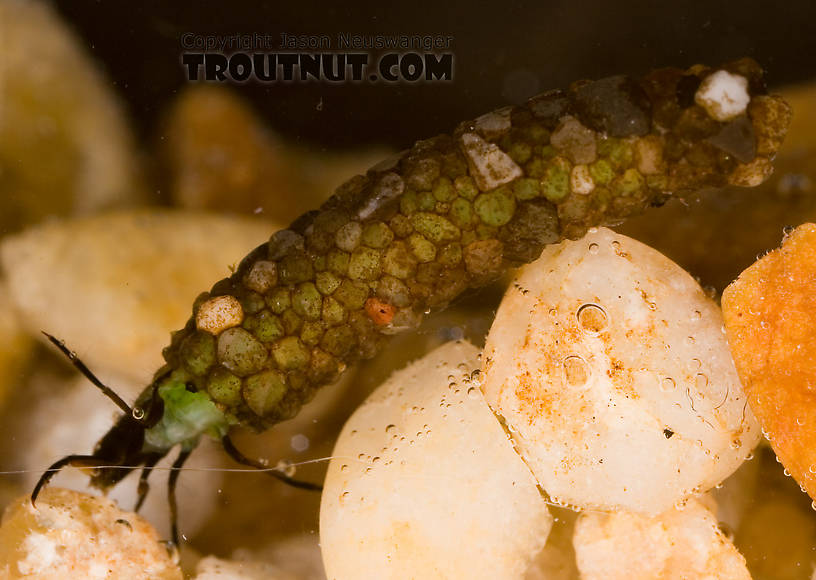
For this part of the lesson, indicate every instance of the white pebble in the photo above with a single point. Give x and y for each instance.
(490, 166)
(680, 543)
(614, 378)
(723, 95)
(424, 483)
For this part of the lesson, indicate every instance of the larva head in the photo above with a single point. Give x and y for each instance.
(180, 416)
(121, 451)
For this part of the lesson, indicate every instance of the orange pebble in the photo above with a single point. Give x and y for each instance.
(380, 312)
(770, 319)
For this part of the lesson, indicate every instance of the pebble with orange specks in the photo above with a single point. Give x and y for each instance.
(604, 395)
(770, 313)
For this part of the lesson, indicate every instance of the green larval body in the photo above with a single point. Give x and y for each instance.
(452, 213)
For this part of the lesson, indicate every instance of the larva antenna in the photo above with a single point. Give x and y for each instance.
(81, 367)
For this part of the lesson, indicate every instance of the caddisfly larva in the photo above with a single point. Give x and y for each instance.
(451, 213)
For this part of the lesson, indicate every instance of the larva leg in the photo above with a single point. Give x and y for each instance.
(144, 486)
(175, 471)
(72, 460)
(239, 457)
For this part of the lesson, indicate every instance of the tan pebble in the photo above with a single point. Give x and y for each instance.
(680, 543)
(73, 535)
(262, 276)
(751, 174)
(770, 114)
(575, 141)
(494, 124)
(218, 314)
(581, 181)
(129, 277)
(490, 166)
(649, 155)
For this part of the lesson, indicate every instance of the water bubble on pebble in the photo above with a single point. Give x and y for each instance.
(576, 371)
(592, 318)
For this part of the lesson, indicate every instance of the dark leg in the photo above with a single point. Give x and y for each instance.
(107, 391)
(144, 487)
(233, 452)
(171, 494)
(72, 460)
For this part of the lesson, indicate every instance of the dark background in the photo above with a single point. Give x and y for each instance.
(504, 52)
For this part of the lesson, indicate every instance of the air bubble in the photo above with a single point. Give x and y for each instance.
(576, 371)
(286, 467)
(696, 316)
(592, 318)
(695, 364)
(299, 442)
(473, 393)
(594, 248)
(138, 413)
(700, 381)
(390, 428)
(476, 377)
(344, 468)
